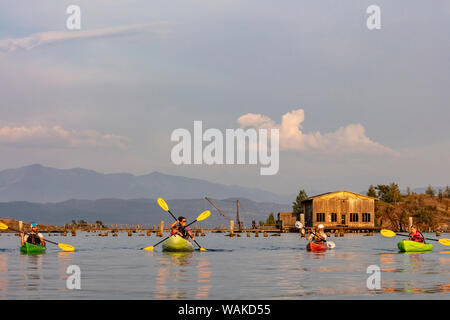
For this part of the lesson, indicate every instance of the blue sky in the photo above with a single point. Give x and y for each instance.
(109, 99)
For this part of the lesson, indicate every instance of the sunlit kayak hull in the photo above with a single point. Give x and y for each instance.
(177, 244)
(314, 247)
(29, 248)
(413, 246)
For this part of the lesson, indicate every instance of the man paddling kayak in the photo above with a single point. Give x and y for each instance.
(179, 227)
(34, 237)
(416, 235)
(320, 237)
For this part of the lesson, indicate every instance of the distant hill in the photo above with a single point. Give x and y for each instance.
(423, 189)
(37, 183)
(136, 211)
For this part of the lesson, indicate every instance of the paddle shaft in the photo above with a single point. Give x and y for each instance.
(186, 226)
(405, 235)
(29, 234)
(171, 235)
(317, 235)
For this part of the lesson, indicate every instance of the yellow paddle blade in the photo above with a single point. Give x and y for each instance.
(163, 204)
(3, 226)
(203, 249)
(148, 248)
(66, 247)
(388, 233)
(204, 215)
(445, 242)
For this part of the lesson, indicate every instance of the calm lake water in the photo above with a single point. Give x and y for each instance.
(233, 268)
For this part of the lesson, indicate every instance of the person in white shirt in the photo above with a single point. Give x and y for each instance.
(320, 236)
(34, 237)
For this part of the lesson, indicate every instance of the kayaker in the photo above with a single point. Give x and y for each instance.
(180, 228)
(34, 237)
(320, 237)
(175, 231)
(416, 235)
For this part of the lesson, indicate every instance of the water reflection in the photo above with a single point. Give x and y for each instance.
(32, 271)
(3, 275)
(176, 273)
(203, 277)
(65, 259)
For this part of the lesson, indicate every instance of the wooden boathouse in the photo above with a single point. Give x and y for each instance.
(340, 210)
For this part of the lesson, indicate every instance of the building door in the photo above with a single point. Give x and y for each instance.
(343, 219)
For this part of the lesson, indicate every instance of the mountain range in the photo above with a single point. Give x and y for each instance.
(36, 183)
(137, 211)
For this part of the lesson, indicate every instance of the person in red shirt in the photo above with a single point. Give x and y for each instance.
(416, 235)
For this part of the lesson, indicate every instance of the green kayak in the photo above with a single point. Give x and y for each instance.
(412, 246)
(29, 248)
(177, 244)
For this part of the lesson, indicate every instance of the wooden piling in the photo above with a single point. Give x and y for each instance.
(130, 233)
(248, 234)
(410, 223)
(256, 233)
(231, 226)
(149, 233)
(161, 228)
(438, 233)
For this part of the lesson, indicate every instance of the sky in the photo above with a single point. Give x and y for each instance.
(354, 106)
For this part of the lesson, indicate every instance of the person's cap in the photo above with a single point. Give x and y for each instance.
(34, 224)
(320, 226)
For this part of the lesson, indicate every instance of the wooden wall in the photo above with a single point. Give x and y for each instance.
(342, 203)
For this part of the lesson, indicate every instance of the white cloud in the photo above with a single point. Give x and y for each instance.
(349, 139)
(57, 137)
(38, 39)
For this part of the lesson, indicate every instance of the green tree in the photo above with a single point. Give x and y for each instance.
(440, 195)
(372, 192)
(408, 191)
(261, 223)
(389, 193)
(430, 191)
(270, 220)
(297, 204)
(447, 192)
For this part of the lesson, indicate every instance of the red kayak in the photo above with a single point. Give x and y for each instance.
(315, 247)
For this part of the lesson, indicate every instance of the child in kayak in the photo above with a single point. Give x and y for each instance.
(179, 227)
(175, 231)
(320, 237)
(34, 237)
(416, 235)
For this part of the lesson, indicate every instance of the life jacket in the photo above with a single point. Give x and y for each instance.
(417, 237)
(318, 239)
(182, 230)
(33, 238)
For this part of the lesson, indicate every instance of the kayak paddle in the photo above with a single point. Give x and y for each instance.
(165, 207)
(330, 244)
(62, 246)
(390, 234)
(204, 215)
